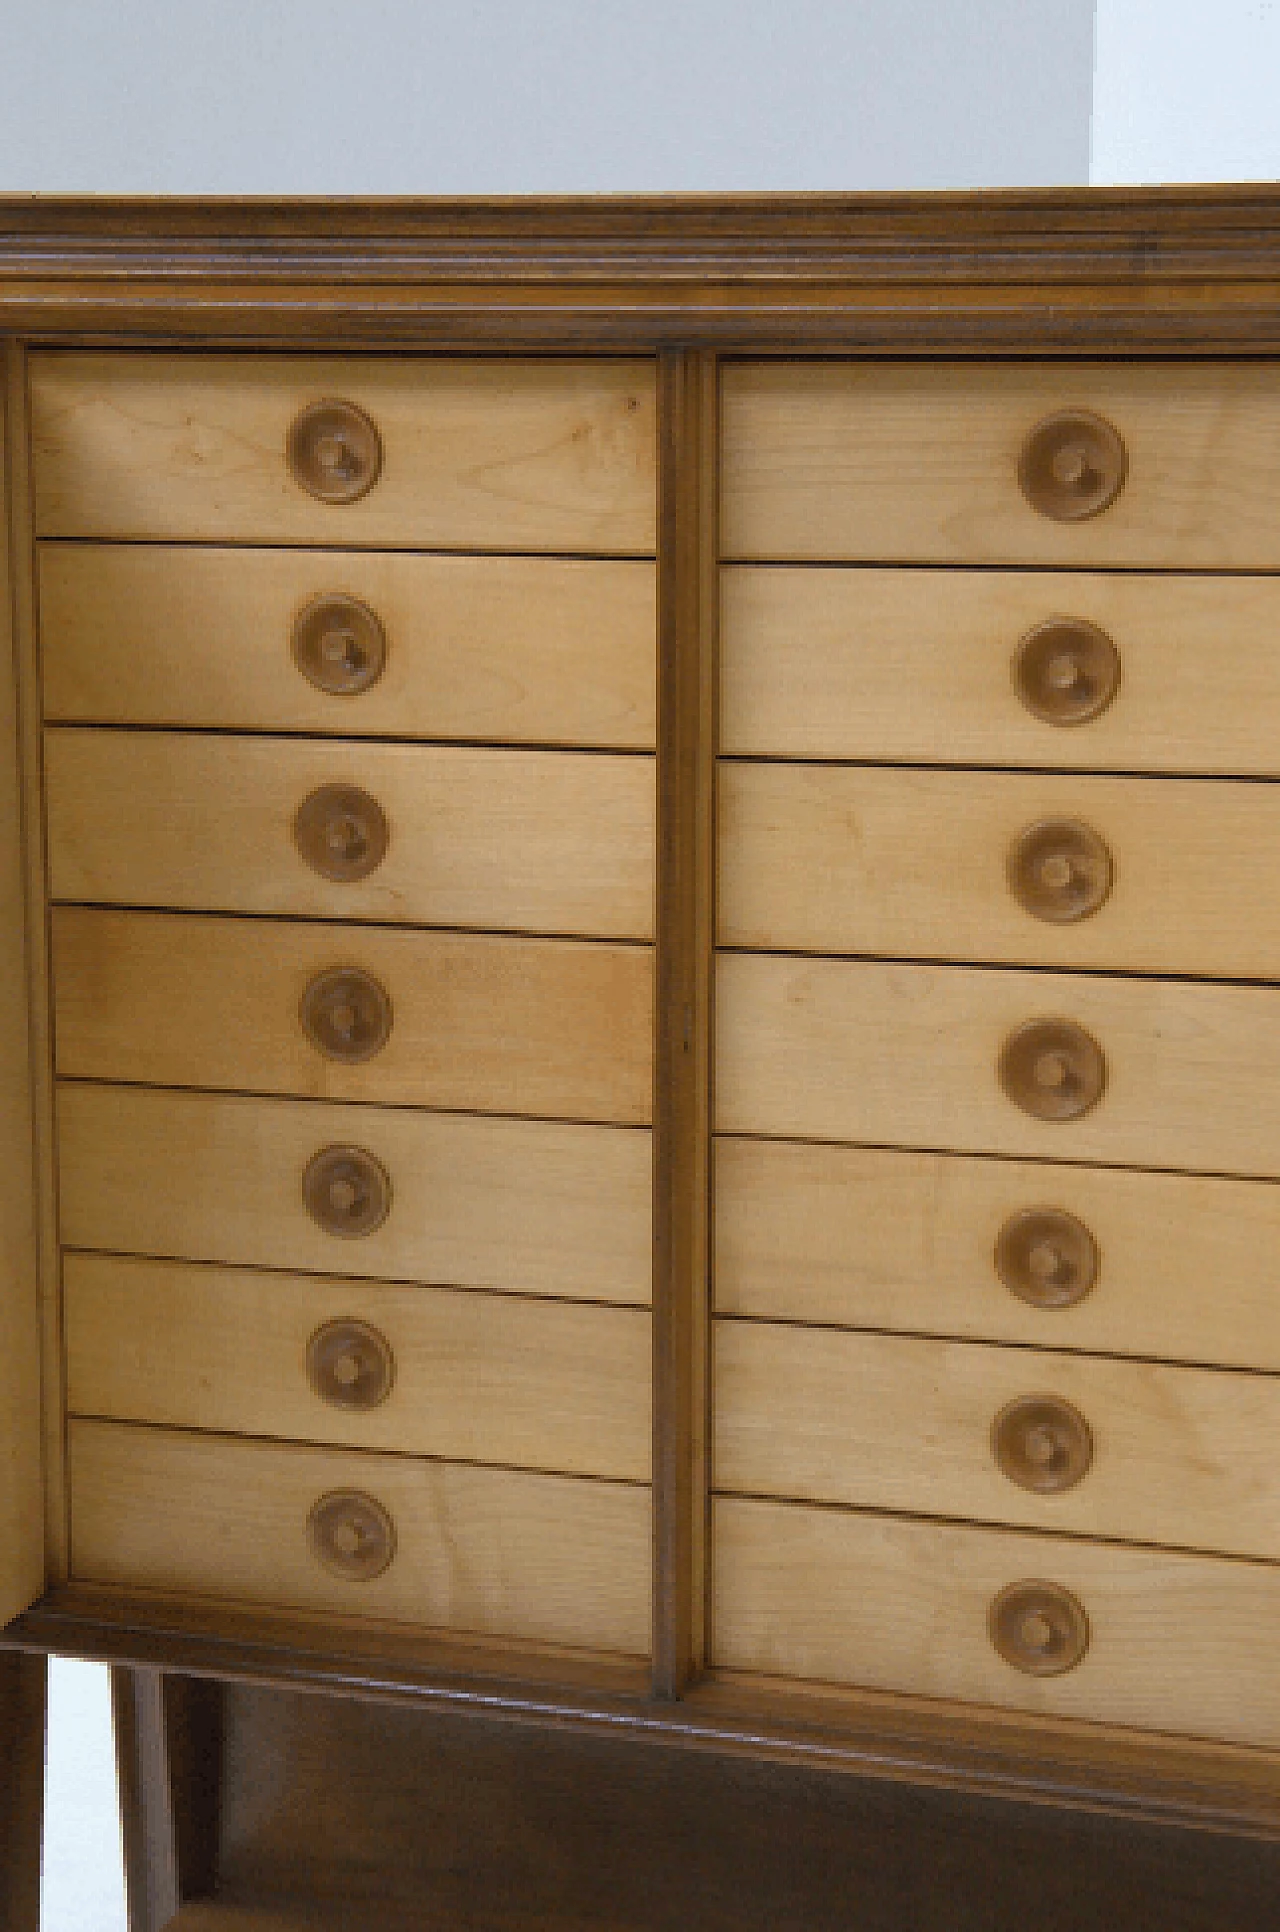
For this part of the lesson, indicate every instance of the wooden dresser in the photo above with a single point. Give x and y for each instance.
(641, 886)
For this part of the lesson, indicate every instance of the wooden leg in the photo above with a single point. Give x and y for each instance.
(168, 1755)
(23, 1704)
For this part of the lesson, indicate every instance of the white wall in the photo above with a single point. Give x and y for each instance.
(83, 1889)
(339, 97)
(1187, 90)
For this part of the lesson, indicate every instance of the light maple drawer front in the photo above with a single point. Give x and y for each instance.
(500, 1552)
(1052, 1255)
(1169, 464)
(528, 1206)
(548, 841)
(467, 1021)
(500, 649)
(1188, 1075)
(422, 452)
(1121, 671)
(1174, 1643)
(1141, 875)
(368, 1364)
(1139, 1451)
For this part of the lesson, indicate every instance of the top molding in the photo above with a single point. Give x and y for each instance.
(1075, 271)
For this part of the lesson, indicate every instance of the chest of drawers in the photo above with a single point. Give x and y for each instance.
(643, 1031)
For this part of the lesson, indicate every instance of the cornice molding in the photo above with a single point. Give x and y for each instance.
(1078, 269)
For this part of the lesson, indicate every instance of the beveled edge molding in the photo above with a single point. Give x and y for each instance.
(1072, 270)
(1143, 1776)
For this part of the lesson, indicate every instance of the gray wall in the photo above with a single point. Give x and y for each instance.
(339, 97)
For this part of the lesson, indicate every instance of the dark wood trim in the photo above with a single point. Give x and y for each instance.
(146, 1800)
(687, 600)
(168, 1762)
(985, 1752)
(1068, 271)
(23, 1705)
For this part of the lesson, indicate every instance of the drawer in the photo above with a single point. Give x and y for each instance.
(468, 1021)
(1140, 875)
(1176, 1643)
(1053, 1255)
(444, 453)
(505, 649)
(981, 667)
(904, 462)
(1137, 1451)
(911, 1055)
(499, 1552)
(362, 1365)
(548, 841)
(522, 1205)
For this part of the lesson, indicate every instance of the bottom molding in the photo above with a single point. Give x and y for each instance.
(994, 1754)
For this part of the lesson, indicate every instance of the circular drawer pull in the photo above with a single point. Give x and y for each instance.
(1072, 466)
(339, 645)
(1038, 1627)
(1042, 1443)
(346, 1014)
(350, 1365)
(346, 1190)
(351, 1535)
(341, 833)
(1060, 870)
(1046, 1257)
(1066, 671)
(1052, 1069)
(334, 451)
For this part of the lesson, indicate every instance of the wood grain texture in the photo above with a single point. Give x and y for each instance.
(22, 1465)
(546, 841)
(1127, 270)
(1177, 1643)
(525, 1206)
(689, 387)
(533, 1384)
(486, 455)
(479, 1022)
(327, 1798)
(868, 1237)
(503, 1552)
(915, 864)
(907, 1055)
(1181, 1456)
(917, 462)
(915, 666)
(498, 649)
(980, 1752)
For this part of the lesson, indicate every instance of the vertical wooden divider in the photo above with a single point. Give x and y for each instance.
(687, 603)
(30, 731)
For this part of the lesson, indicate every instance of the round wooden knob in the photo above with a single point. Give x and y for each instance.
(1059, 870)
(351, 1535)
(346, 1014)
(339, 645)
(1052, 1069)
(1072, 466)
(341, 833)
(346, 1190)
(1066, 671)
(1046, 1257)
(334, 451)
(350, 1365)
(1038, 1627)
(1041, 1443)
